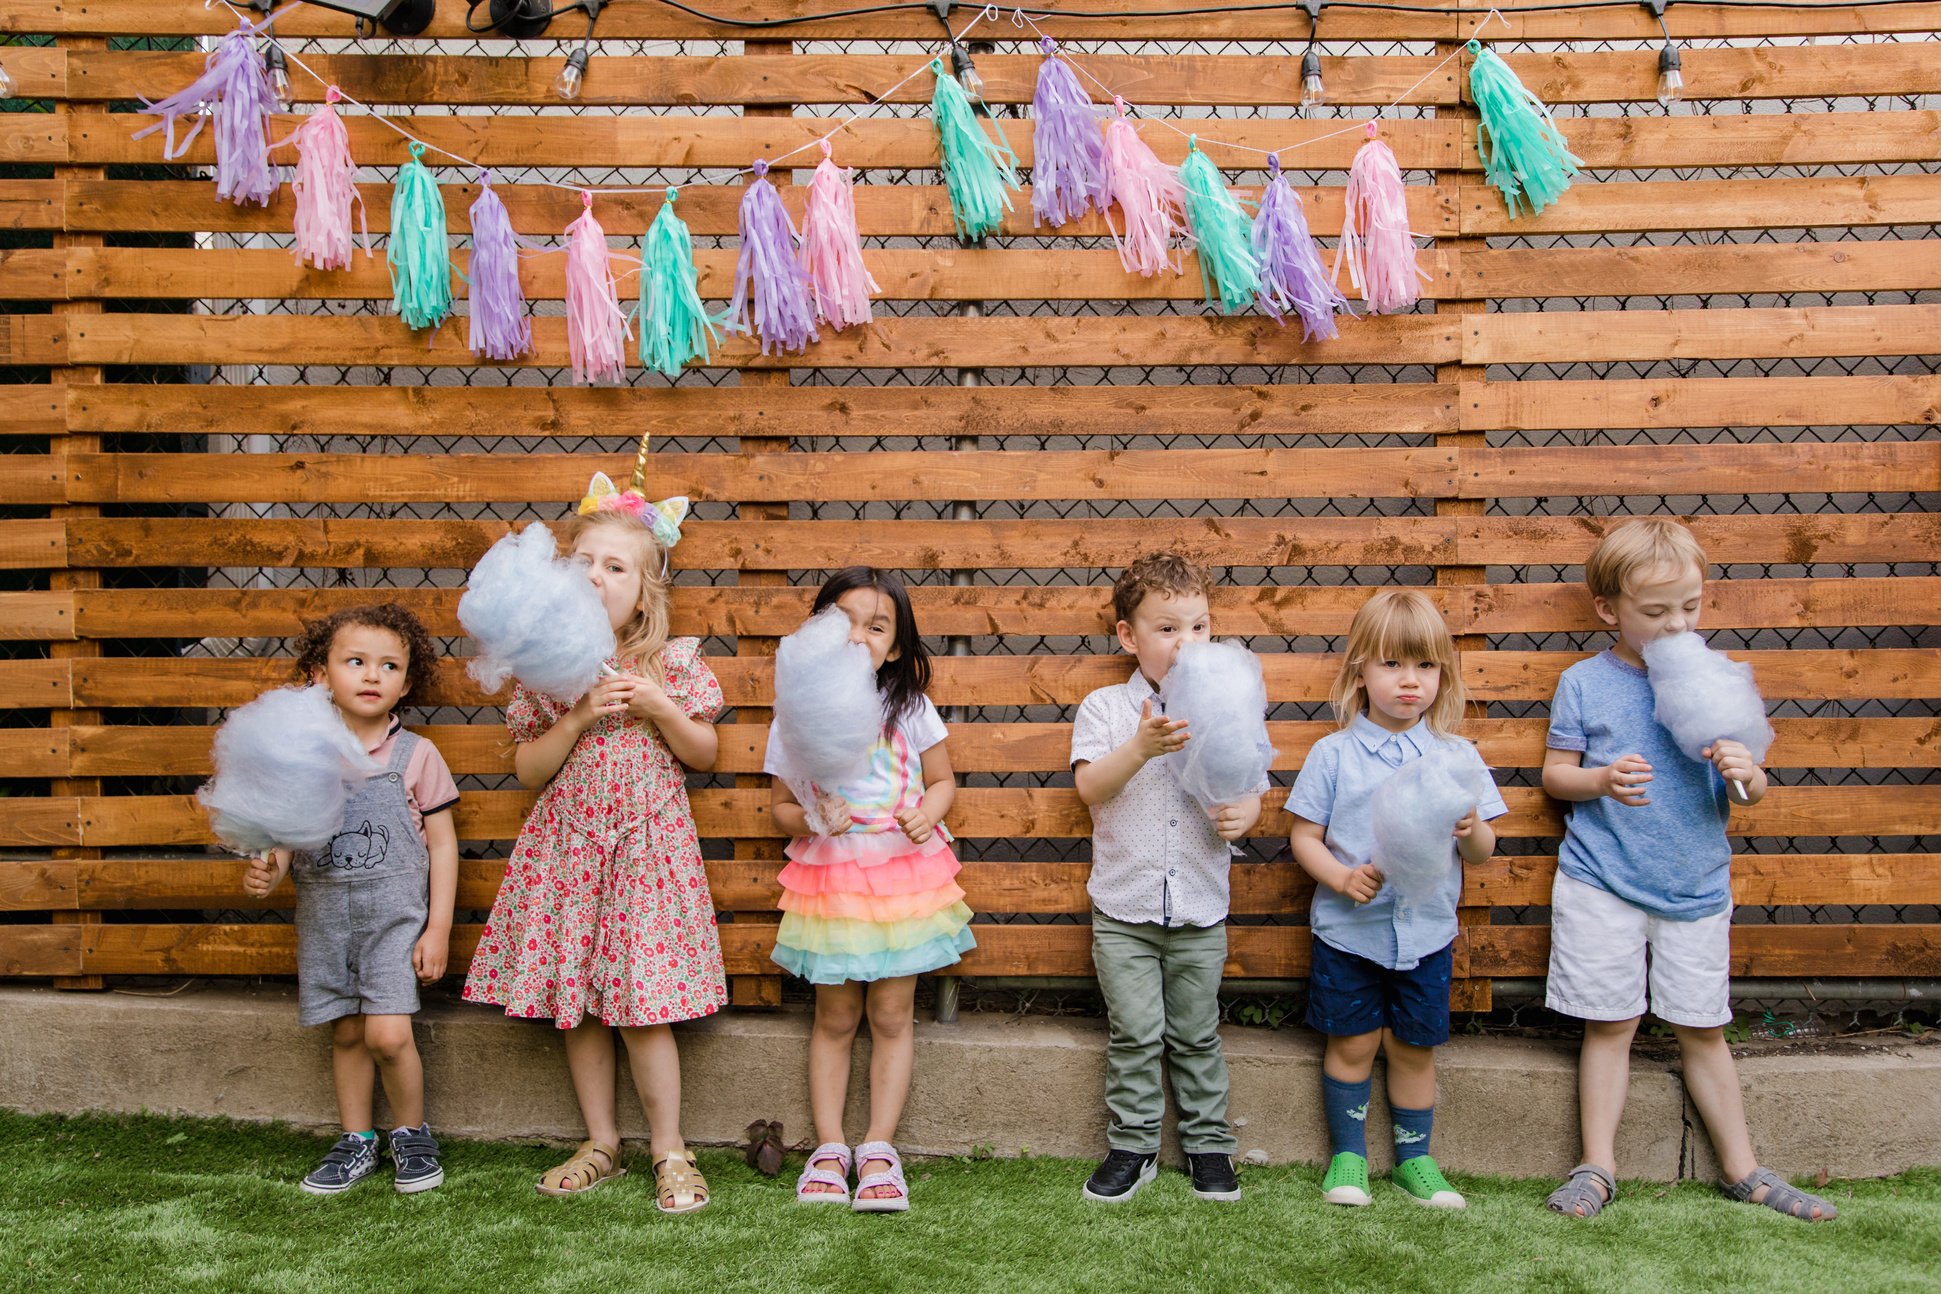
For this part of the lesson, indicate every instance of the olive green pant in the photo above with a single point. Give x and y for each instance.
(1162, 1001)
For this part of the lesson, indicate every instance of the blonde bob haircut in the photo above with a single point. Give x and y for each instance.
(1647, 544)
(1400, 624)
(641, 639)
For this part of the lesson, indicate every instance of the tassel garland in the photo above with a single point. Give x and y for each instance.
(595, 327)
(324, 188)
(1524, 154)
(1375, 240)
(771, 287)
(1068, 146)
(1149, 197)
(832, 250)
(1222, 233)
(235, 90)
(498, 327)
(1292, 277)
(979, 172)
(674, 328)
(419, 253)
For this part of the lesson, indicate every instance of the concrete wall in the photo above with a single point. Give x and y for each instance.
(1011, 1083)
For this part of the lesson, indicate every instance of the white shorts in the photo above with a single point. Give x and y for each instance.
(1598, 944)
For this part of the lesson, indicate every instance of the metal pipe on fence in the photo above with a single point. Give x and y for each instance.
(1531, 989)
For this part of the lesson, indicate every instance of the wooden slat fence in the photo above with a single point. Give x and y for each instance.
(1732, 317)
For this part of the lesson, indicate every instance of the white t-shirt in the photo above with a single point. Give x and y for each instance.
(893, 780)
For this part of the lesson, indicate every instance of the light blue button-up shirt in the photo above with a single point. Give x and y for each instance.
(1333, 790)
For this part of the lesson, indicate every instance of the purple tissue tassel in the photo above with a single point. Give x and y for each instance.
(1291, 274)
(499, 328)
(1068, 145)
(771, 287)
(237, 89)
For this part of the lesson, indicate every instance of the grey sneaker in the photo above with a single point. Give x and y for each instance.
(414, 1154)
(349, 1162)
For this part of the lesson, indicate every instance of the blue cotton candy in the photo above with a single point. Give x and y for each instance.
(1702, 696)
(827, 711)
(535, 617)
(1219, 690)
(285, 768)
(1413, 816)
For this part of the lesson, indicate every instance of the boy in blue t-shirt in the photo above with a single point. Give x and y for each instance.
(1645, 868)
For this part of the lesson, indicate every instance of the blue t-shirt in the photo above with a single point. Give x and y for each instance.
(1337, 780)
(1669, 857)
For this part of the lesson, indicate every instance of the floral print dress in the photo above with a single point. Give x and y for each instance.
(605, 909)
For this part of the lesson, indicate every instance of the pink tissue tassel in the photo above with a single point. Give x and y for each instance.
(596, 331)
(832, 250)
(1375, 238)
(1151, 202)
(325, 188)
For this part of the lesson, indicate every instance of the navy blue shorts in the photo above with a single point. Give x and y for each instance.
(1349, 996)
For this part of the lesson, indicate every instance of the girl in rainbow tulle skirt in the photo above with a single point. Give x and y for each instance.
(870, 898)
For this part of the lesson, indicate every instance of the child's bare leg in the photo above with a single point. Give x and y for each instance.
(1351, 1059)
(353, 1071)
(892, 1057)
(589, 1059)
(1603, 1082)
(1411, 1073)
(388, 1039)
(832, 1039)
(1713, 1080)
(656, 1064)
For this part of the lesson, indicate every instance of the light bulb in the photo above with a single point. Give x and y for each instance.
(279, 70)
(6, 82)
(571, 77)
(1671, 85)
(965, 71)
(1311, 89)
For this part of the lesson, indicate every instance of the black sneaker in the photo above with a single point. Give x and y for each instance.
(349, 1162)
(1120, 1176)
(1213, 1176)
(414, 1153)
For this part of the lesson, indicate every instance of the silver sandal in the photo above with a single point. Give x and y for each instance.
(1578, 1196)
(1781, 1196)
(813, 1174)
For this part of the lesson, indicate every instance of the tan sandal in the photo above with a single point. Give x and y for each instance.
(678, 1184)
(582, 1173)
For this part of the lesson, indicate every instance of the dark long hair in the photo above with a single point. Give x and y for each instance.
(902, 680)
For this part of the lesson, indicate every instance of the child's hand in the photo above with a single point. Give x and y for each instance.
(1157, 735)
(833, 810)
(1230, 821)
(429, 954)
(1364, 883)
(1623, 778)
(646, 699)
(604, 699)
(916, 824)
(1465, 825)
(266, 872)
(1733, 760)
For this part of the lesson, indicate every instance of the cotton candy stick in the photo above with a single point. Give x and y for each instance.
(1414, 813)
(1702, 697)
(285, 768)
(828, 714)
(1218, 689)
(535, 617)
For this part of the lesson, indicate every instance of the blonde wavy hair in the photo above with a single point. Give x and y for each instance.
(1400, 624)
(643, 637)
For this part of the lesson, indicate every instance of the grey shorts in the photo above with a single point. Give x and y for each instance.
(354, 942)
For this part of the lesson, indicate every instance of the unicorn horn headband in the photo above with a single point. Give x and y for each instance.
(663, 518)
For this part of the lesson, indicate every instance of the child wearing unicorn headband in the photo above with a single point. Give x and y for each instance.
(604, 920)
(872, 903)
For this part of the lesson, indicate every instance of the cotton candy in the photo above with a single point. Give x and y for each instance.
(1705, 696)
(535, 617)
(285, 768)
(827, 711)
(1218, 689)
(1414, 815)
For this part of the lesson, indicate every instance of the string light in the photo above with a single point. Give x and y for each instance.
(1311, 89)
(1671, 82)
(278, 67)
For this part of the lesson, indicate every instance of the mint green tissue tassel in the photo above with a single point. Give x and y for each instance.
(1222, 234)
(978, 172)
(419, 252)
(674, 328)
(1524, 154)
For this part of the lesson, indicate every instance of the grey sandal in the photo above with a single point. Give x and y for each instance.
(1578, 1197)
(1781, 1196)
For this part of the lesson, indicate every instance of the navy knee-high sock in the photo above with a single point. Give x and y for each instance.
(1412, 1128)
(1346, 1105)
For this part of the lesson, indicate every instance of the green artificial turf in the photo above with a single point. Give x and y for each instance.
(103, 1203)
